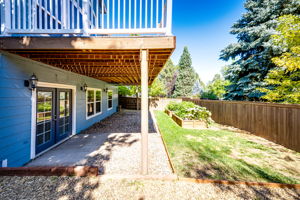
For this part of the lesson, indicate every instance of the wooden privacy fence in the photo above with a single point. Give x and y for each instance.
(131, 103)
(276, 122)
(279, 123)
(134, 103)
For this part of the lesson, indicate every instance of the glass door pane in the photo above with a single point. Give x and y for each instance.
(44, 123)
(63, 114)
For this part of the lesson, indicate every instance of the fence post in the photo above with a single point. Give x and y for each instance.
(169, 17)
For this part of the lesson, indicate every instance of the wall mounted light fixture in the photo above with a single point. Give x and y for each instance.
(84, 87)
(32, 82)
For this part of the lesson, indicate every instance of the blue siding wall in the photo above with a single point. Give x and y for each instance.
(15, 103)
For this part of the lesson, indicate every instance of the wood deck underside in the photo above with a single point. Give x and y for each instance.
(114, 60)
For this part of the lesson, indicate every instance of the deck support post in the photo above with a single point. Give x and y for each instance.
(144, 111)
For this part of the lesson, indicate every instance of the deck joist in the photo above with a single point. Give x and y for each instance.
(114, 60)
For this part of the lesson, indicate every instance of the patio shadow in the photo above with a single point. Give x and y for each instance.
(94, 146)
(103, 155)
(126, 121)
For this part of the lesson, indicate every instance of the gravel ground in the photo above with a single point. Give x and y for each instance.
(113, 145)
(126, 121)
(94, 188)
(120, 154)
(123, 146)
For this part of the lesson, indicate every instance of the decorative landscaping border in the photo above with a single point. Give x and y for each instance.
(163, 141)
(50, 171)
(224, 182)
(198, 181)
(167, 152)
(168, 112)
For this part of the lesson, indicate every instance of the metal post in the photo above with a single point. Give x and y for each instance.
(144, 111)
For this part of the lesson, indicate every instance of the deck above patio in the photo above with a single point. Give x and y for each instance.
(80, 36)
(85, 17)
(111, 59)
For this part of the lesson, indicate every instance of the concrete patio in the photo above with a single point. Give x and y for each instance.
(113, 145)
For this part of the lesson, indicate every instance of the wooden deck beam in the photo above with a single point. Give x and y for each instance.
(111, 59)
(89, 43)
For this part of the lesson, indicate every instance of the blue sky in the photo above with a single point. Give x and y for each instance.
(203, 26)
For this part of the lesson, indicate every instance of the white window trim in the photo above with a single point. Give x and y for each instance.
(86, 103)
(33, 114)
(112, 99)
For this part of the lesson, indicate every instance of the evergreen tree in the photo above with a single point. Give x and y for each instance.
(186, 76)
(168, 77)
(254, 50)
(199, 86)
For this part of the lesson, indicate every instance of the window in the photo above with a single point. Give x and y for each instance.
(98, 101)
(93, 102)
(109, 99)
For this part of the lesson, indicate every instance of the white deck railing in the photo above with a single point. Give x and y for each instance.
(85, 17)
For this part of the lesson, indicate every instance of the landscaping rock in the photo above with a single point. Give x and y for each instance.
(65, 188)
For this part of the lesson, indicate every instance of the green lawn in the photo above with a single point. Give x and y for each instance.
(226, 155)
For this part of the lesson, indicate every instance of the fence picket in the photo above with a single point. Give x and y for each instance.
(276, 122)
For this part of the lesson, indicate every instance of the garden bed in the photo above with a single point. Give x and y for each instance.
(189, 115)
(168, 112)
(189, 124)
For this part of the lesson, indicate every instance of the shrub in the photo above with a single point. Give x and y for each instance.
(190, 111)
(173, 105)
(183, 109)
(209, 95)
